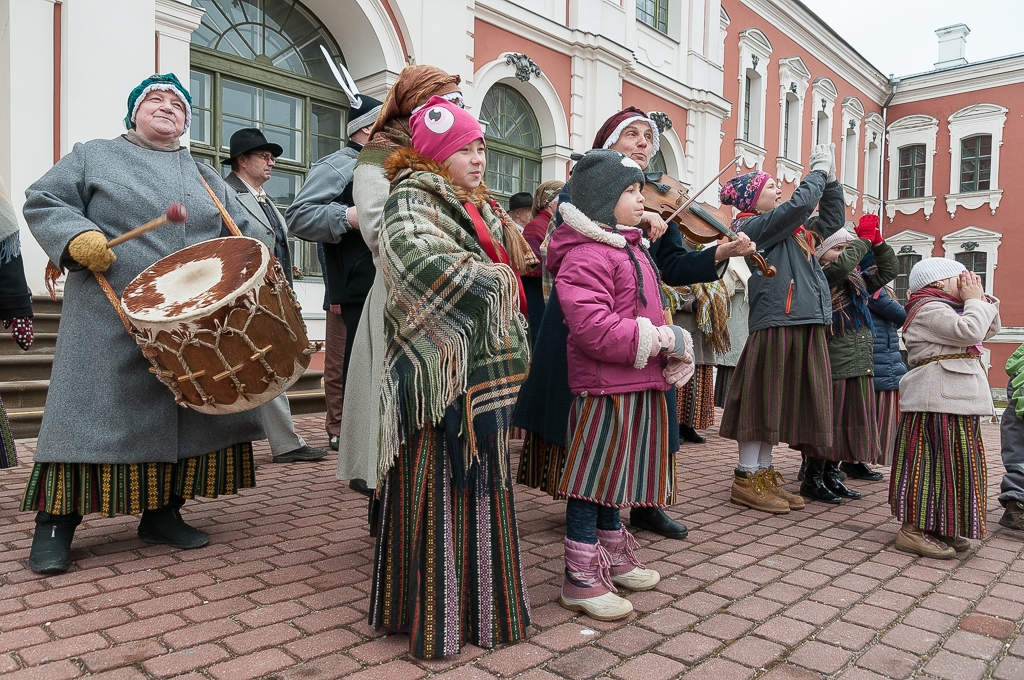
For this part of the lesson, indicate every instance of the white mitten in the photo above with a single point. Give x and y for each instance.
(821, 158)
(832, 168)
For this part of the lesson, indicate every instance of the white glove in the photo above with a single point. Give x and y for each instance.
(832, 168)
(679, 370)
(821, 158)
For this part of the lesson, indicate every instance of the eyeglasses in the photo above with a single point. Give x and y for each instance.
(265, 156)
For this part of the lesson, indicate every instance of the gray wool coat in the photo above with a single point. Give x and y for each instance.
(103, 405)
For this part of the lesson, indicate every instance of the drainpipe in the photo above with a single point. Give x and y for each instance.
(882, 187)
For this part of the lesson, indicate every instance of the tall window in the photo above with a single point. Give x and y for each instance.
(912, 166)
(850, 158)
(976, 261)
(789, 124)
(902, 282)
(821, 128)
(976, 163)
(513, 142)
(746, 108)
(258, 63)
(872, 180)
(654, 13)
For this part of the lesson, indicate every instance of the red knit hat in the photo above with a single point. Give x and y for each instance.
(440, 128)
(613, 127)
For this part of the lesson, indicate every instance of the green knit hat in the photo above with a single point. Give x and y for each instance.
(158, 81)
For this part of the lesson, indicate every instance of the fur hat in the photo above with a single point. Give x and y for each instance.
(598, 181)
(440, 128)
(613, 127)
(158, 81)
(932, 269)
(843, 235)
(743, 191)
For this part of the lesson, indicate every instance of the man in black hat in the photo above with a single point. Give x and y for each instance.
(252, 161)
(324, 212)
(520, 208)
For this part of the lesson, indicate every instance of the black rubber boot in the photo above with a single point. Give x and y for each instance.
(655, 520)
(831, 479)
(860, 471)
(813, 486)
(165, 526)
(803, 467)
(688, 434)
(51, 543)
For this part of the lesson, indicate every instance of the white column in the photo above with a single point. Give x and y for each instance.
(175, 21)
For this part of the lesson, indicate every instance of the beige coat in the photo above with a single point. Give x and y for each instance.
(957, 386)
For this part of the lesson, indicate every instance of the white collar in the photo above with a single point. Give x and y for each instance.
(258, 194)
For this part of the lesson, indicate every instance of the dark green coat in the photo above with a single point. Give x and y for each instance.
(852, 354)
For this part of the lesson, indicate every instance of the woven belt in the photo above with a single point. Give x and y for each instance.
(940, 357)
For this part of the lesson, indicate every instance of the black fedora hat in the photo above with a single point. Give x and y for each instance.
(251, 139)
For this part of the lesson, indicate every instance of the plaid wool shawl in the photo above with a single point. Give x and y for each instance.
(457, 344)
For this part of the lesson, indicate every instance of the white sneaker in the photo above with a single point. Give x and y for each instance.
(637, 579)
(607, 607)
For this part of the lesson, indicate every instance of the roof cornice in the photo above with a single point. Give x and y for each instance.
(980, 75)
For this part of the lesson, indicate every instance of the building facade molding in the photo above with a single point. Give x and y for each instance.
(852, 117)
(976, 239)
(968, 79)
(908, 130)
(794, 79)
(911, 242)
(976, 119)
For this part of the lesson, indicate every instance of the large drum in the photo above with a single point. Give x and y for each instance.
(220, 324)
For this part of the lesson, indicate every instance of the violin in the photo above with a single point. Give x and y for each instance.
(700, 222)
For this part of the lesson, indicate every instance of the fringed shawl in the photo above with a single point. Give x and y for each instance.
(10, 234)
(850, 305)
(457, 345)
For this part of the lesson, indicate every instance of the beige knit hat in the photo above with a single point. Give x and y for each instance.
(843, 235)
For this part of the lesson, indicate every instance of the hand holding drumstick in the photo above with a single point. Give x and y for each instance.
(91, 248)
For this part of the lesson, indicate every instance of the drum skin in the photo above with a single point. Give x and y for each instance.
(220, 325)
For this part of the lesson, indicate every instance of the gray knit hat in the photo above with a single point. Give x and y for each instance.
(598, 181)
(932, 269)
(842, 235)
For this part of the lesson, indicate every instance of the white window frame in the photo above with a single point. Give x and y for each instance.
(976, 119)
(853, 112)
(874, 131)
(986, 240)
(755, 52)
(912, 129)
(822, 90)
(794, 79)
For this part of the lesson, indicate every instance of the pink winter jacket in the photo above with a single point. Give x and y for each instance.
(610, 337)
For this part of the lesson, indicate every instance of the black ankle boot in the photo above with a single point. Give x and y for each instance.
(373, 514)
(803, 468)
(860, 471)
(813, 486)
(831, 479)
(51, 542)
(688, 434)
(655, 520)
(165, 526)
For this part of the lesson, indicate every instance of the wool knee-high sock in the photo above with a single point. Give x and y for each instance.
(749, 453)
(764, 456)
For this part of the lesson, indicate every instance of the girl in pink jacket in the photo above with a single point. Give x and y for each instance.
(622, 357)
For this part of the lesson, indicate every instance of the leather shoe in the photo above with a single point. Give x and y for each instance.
(655, 520)
(860, 471)
(165, 526)
(359, 486)
(51, 543)
(304, 452)
(688, 434)
(1013, 516)
(830, 477)
(334, 442)
(813, 486)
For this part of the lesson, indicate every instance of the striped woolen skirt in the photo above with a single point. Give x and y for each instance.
(782, 388)
(446, 566)
(855, 430)
(695, 402)
(128, 489)
(887, 412)
(939, 478)
(723, 374)
(617, 453)
(8, 449)
(541, 464)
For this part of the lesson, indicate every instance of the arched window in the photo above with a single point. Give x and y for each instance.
(258, 63)
(513, 142)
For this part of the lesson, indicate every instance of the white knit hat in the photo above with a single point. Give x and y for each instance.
(843, 235)
(932, 269)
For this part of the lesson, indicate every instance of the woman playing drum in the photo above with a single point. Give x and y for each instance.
(112, 440)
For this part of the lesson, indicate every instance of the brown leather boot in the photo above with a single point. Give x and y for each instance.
(957, 543)
(777, 480)
(912, 540)
(755, 490)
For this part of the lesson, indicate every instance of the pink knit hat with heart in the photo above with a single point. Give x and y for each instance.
(440, 128)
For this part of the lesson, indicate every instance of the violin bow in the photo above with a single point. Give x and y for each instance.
(693, 198)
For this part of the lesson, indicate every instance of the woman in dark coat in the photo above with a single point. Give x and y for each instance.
(887, 316)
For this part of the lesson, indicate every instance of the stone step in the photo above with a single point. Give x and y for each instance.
(306, 402)
(42, 304)
(45, 322)
(43, 343)
(25, 421)
(24, 393)
(25, 366)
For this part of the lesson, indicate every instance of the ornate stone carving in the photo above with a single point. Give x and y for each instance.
(662, 120)
(525, 67)
(970, 245)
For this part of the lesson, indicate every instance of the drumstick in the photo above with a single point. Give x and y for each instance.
(176, 213)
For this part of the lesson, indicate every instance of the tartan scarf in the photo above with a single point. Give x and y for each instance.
(457, 348)
(850, 305)
(712, 309)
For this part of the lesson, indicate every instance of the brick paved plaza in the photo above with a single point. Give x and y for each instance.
(281, 592)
